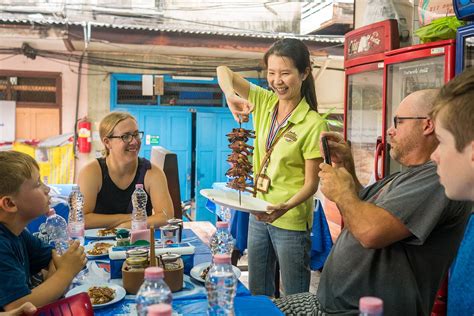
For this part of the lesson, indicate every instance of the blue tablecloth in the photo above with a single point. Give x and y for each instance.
(192, 299)
(243, 305)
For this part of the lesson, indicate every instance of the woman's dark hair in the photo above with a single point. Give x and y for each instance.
(297, 51)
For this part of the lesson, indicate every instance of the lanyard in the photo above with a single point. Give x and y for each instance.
(266, 158)
(275, 127)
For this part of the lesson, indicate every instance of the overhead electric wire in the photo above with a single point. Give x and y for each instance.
(112, 62)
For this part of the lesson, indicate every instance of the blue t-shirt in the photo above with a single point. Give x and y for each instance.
(461, 279)
(20, 258)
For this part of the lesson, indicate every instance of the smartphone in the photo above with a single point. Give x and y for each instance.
(327, 154)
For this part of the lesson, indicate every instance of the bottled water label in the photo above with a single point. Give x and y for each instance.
(76, 231)
(139, 225)
(221, 289)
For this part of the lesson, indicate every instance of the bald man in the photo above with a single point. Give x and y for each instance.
(400, 234)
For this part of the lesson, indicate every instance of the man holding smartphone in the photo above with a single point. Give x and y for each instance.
(454, 121)
(400, 234)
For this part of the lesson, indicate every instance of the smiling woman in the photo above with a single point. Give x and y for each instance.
(287, 126)
(108, 182)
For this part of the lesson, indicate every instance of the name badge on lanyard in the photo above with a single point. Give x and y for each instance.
(263, 183)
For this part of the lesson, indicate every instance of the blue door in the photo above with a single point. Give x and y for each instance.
(211, 153)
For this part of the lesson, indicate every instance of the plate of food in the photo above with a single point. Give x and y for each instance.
(101, 233)
(101, 295)
(230, 198)
(98, 248)
(199, 272)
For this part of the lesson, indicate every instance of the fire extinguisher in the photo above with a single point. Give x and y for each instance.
(84, 136)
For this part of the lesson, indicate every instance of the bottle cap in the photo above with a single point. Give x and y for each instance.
(51, 212)
(159, 310)
(154, 273)
(139, 185)
(221, 258)
(370, 304)
(222, 224)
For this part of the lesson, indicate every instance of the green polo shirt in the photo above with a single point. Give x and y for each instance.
(286, 166)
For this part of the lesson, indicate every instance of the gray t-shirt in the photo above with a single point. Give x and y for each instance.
(406, 274)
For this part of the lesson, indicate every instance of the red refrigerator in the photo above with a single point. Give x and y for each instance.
(364, 53)
(407, 70)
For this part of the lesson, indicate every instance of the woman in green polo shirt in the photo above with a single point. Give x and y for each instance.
(287, 124)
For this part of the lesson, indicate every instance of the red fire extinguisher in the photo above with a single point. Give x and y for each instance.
(84, 136)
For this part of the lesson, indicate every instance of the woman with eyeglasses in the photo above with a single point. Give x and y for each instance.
(108, 182)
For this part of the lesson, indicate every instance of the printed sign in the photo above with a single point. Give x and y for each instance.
(371, 39)
(152, 140)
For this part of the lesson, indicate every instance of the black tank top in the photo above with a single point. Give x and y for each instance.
(113, 200)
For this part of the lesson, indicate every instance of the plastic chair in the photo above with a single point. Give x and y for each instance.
(62, 209)
(75, 305)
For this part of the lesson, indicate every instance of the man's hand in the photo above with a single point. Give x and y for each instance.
(341, 154)
(25, 309)
(273, 213)
(72, 261)
(239, 107)
(335, 183)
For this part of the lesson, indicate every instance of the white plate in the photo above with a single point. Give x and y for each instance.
(231, 199)
(90, 246)
(93, 234)
(196, 271)
(119, 292)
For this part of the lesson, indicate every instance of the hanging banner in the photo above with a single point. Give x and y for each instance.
(429, 10)
(56, 163)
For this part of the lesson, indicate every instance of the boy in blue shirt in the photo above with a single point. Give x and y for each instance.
(23, 197)
(454, 120)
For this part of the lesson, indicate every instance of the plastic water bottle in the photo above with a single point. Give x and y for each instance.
(76, 215)
(221, 241)
(56, 230)
(370, 306)
(221, 285)
(159, 310)
(139, 199)
(154, 290)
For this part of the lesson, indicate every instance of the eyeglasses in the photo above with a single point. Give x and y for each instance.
(397, 119)
(127, 138)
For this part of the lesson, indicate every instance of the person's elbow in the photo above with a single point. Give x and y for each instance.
(372, 240)
(15, 304)
(220, 70)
